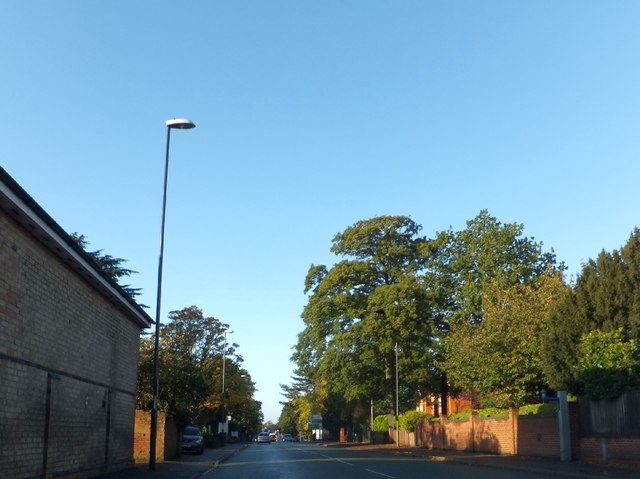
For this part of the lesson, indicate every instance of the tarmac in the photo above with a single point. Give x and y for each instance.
(199, 466)
(187, 466)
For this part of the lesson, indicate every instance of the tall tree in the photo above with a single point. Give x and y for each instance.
(363, 306)
(501, 358)
(466, 269)
(190, 370)
(487, 253)
(606, 298)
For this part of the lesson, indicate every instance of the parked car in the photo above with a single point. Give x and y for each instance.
(192, 440)
(263, 437)
(287, 438)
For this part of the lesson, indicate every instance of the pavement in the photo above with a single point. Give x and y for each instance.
(197, 466)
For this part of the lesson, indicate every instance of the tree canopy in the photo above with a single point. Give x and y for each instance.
(605, 298)
(428, 302)
(359, 309)
(192, 350)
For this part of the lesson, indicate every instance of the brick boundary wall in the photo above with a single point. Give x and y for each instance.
(525, 436)
(167, 437)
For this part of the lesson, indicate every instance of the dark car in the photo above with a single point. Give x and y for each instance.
(192, 440)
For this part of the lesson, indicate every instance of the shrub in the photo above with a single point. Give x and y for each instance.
(493, 412)
(461, 416)
(607, 365)
(380, 423)
(409, 419)
(542, 410)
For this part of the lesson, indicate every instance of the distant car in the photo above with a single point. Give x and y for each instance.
(287, 438)
(192, 440)
(263, 437)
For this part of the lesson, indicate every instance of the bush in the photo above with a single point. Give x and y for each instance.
(608, 366)
(461, 416)
(409, 419)
(542, 410)
(380, 423)
(493, 412)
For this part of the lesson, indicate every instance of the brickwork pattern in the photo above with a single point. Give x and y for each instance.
(611, 450)
(493, 436)
(526, 436)
(142, 436)
(538, 436)
(68, 367)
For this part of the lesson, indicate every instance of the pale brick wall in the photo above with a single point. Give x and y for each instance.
(57, 331)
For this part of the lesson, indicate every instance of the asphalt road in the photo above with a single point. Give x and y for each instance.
(310, 461)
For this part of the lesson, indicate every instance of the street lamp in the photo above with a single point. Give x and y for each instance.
(224, 357)
(180, 124)
(397, 412)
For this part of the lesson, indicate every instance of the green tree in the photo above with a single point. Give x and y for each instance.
(605, 297)
(305, 398)
(501, 358)
(111, 265)
(363, 306)
(466, 270)
(465, 264)
(190, 372)
(608, 366)
(288, 419)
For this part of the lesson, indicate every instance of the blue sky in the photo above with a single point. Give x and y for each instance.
(312, 115)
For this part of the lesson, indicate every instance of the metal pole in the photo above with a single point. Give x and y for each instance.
(371, 428)
(224, 413)
(564, 426)
(156, 348)
(397, 412)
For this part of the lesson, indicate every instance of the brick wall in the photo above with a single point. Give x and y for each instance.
(494, 436)
(430, 435)
(526, 436)
(167, 437)
(68, 366)
(611, 450)
(538, 436)
(487, 435)
(458, 435)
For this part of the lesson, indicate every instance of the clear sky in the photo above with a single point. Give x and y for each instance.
(312, 115)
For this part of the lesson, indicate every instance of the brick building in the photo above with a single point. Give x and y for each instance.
(69, 340)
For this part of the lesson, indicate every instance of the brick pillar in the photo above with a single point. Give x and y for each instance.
(513, 419)
(142, 436)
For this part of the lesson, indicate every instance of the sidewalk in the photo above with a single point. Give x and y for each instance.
(187, 466)
(541, 466)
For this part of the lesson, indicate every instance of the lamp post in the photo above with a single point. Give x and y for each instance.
(180, 124)
(224, 357)
(397, 412)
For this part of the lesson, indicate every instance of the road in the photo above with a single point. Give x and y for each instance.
(310, 461)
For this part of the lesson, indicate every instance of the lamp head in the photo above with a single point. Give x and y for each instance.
(180, 123)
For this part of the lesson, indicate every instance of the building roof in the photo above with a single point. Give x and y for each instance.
(15, 201)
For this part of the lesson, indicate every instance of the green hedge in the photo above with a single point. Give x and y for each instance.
(542, 410)
(409, 419)
(380, 423)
